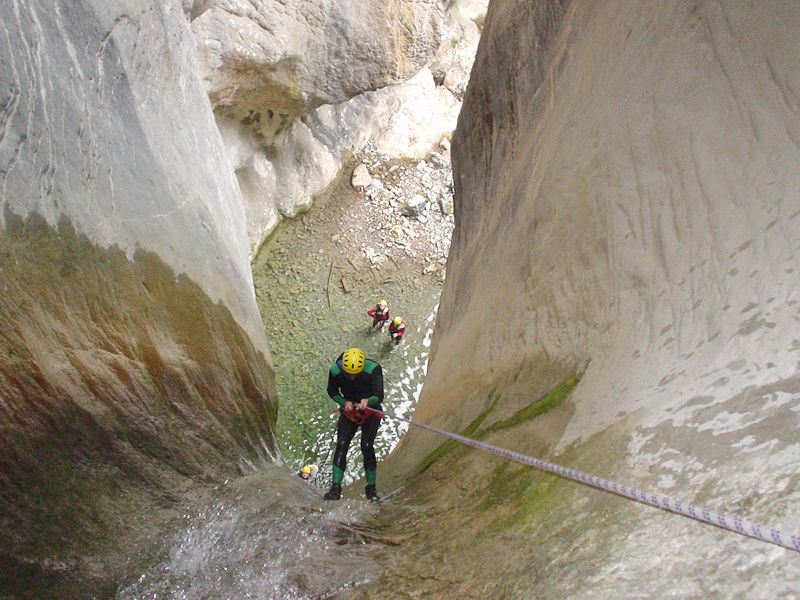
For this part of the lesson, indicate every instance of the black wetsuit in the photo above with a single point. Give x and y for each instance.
(341, 388)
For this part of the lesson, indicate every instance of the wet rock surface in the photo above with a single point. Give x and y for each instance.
(267, 535)
(319, 274)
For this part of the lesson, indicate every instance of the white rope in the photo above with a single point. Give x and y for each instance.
(698, 513)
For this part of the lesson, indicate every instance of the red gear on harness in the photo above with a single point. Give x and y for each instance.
(358, 415)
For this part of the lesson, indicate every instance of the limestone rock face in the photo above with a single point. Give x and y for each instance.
(404, 120)
(298, 86)
(474, 10)
(133, 361)
(627, 210)
(270, 61)
(452, 63)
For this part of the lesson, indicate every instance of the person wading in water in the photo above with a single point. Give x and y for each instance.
(355, 383)
(396, 330)
(379, 314)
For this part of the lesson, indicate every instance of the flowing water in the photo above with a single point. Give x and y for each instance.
(267, 535)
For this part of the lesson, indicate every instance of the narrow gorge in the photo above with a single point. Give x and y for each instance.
(619, 297)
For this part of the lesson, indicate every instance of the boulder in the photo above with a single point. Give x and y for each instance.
(439, 161)
(415, 206)
(361, 177)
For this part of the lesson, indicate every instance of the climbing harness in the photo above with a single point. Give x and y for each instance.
(698, 513)
(356, 415)
(359, 415)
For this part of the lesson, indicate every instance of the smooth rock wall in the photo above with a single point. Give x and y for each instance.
(297, 87)
(268, 62)
(134, 363)
(406, 120)
(627, 210)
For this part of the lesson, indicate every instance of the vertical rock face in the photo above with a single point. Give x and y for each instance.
(133, 359)
(627, 210)
(297, 86)
(271, 61)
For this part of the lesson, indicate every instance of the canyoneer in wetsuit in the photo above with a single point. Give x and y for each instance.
(355, 383)
(379, 314)
(396, 330)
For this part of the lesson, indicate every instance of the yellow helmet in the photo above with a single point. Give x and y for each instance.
(398, 320)
(383, 303)
(353, 361)
(306, 470)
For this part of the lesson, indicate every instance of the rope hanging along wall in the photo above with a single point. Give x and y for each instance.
(698, 513)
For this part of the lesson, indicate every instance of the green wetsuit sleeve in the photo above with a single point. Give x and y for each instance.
(333, 386)
(376, 383)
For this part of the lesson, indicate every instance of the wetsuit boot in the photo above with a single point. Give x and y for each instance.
(335, 493)
(371, 493)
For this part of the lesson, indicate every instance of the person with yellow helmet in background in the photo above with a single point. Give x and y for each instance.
(379, 314)
(355, 383)
(309, 473)
(396, 329)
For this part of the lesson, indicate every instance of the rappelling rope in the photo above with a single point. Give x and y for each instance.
(698, 513)
(323, 478)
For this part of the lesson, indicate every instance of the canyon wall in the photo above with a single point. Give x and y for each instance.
(134, 363)
(297, 87)
(628, 212)
(135, 372)
(627, 215)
